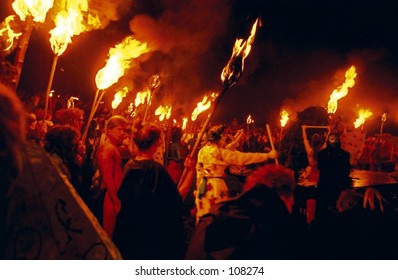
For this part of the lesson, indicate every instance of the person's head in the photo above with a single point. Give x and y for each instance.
(215, 134)
(12, 134)
(146, 136)
(71, 116)
(62, 139)
(276, 177)
(115, 128)
(176, 134)
(333, 140)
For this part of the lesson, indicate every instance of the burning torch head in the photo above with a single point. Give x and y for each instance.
(232, 72)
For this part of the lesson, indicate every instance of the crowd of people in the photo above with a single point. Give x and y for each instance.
(239, 205)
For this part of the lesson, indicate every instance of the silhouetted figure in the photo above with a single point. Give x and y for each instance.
(150, 222)
(334, 174)
(257, 224)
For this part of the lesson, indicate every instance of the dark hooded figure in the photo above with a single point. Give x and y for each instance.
(334, 174)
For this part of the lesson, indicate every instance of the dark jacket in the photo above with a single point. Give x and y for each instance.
(254, 225)
(150, 221)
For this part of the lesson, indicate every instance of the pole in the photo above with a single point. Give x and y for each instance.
(147, 105)
(201, 133)
(21, 50)
(49, 85)
(271, 141)
(97, 99)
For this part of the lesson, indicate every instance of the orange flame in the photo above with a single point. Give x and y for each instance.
(249, 119)
(342, 90)
(119, 97)
(203, 105)
(184, 123)
(363, 115)
(10, 35)
(142, 97)
(70, 22)
(284, 118)
(36, 8)
(119, 60)
(234, 68)
(163, 112)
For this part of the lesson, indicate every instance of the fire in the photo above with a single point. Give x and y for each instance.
(36, 8)
(163, 112)
(234, 68)
(119, 60)
(342, 90)
(184, 123)
(284, 118)
(363, 115)
(249, 119)
(142, 97)
(10, 35)
(203, 105)
(119, 97)
(70, 22)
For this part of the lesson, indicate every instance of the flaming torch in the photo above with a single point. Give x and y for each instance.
(28, 11)
(119, 97)
(230, 74)
(342, 90)
(203, 105)
(119, 61)
(363, 115)
(184, 123)
(153, 84)
(284, 119)
(9, 34)
(383, 120)
(163, 112)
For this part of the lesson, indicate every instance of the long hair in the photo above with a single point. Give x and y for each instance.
(63, 140)
(12, 134)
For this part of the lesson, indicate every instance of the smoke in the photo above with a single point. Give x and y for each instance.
(182, 36)
(108, 11)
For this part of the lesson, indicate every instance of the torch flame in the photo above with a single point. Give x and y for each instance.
(363, 115)
(10, 34)
(234, 68)
(70, 22)
(119, 60)
(36, 8)
(163, 112)
(284, 118)
(342, 90)
(119, 97)
(249, 119)
(142, 97)
(203, 105)
(184, 123)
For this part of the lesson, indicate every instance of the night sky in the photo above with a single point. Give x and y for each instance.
(298, 58)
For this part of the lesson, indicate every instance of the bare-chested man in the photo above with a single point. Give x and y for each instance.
(110, 166)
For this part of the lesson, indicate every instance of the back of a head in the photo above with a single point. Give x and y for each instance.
(276, 177)
(63, 138)
(12, 133)
(70, 116)
(214, 133)
(176, 134)
(145, 135)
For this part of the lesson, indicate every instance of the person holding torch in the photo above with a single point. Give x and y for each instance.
(212, 160)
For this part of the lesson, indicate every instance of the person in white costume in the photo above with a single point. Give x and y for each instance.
(213, 158)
